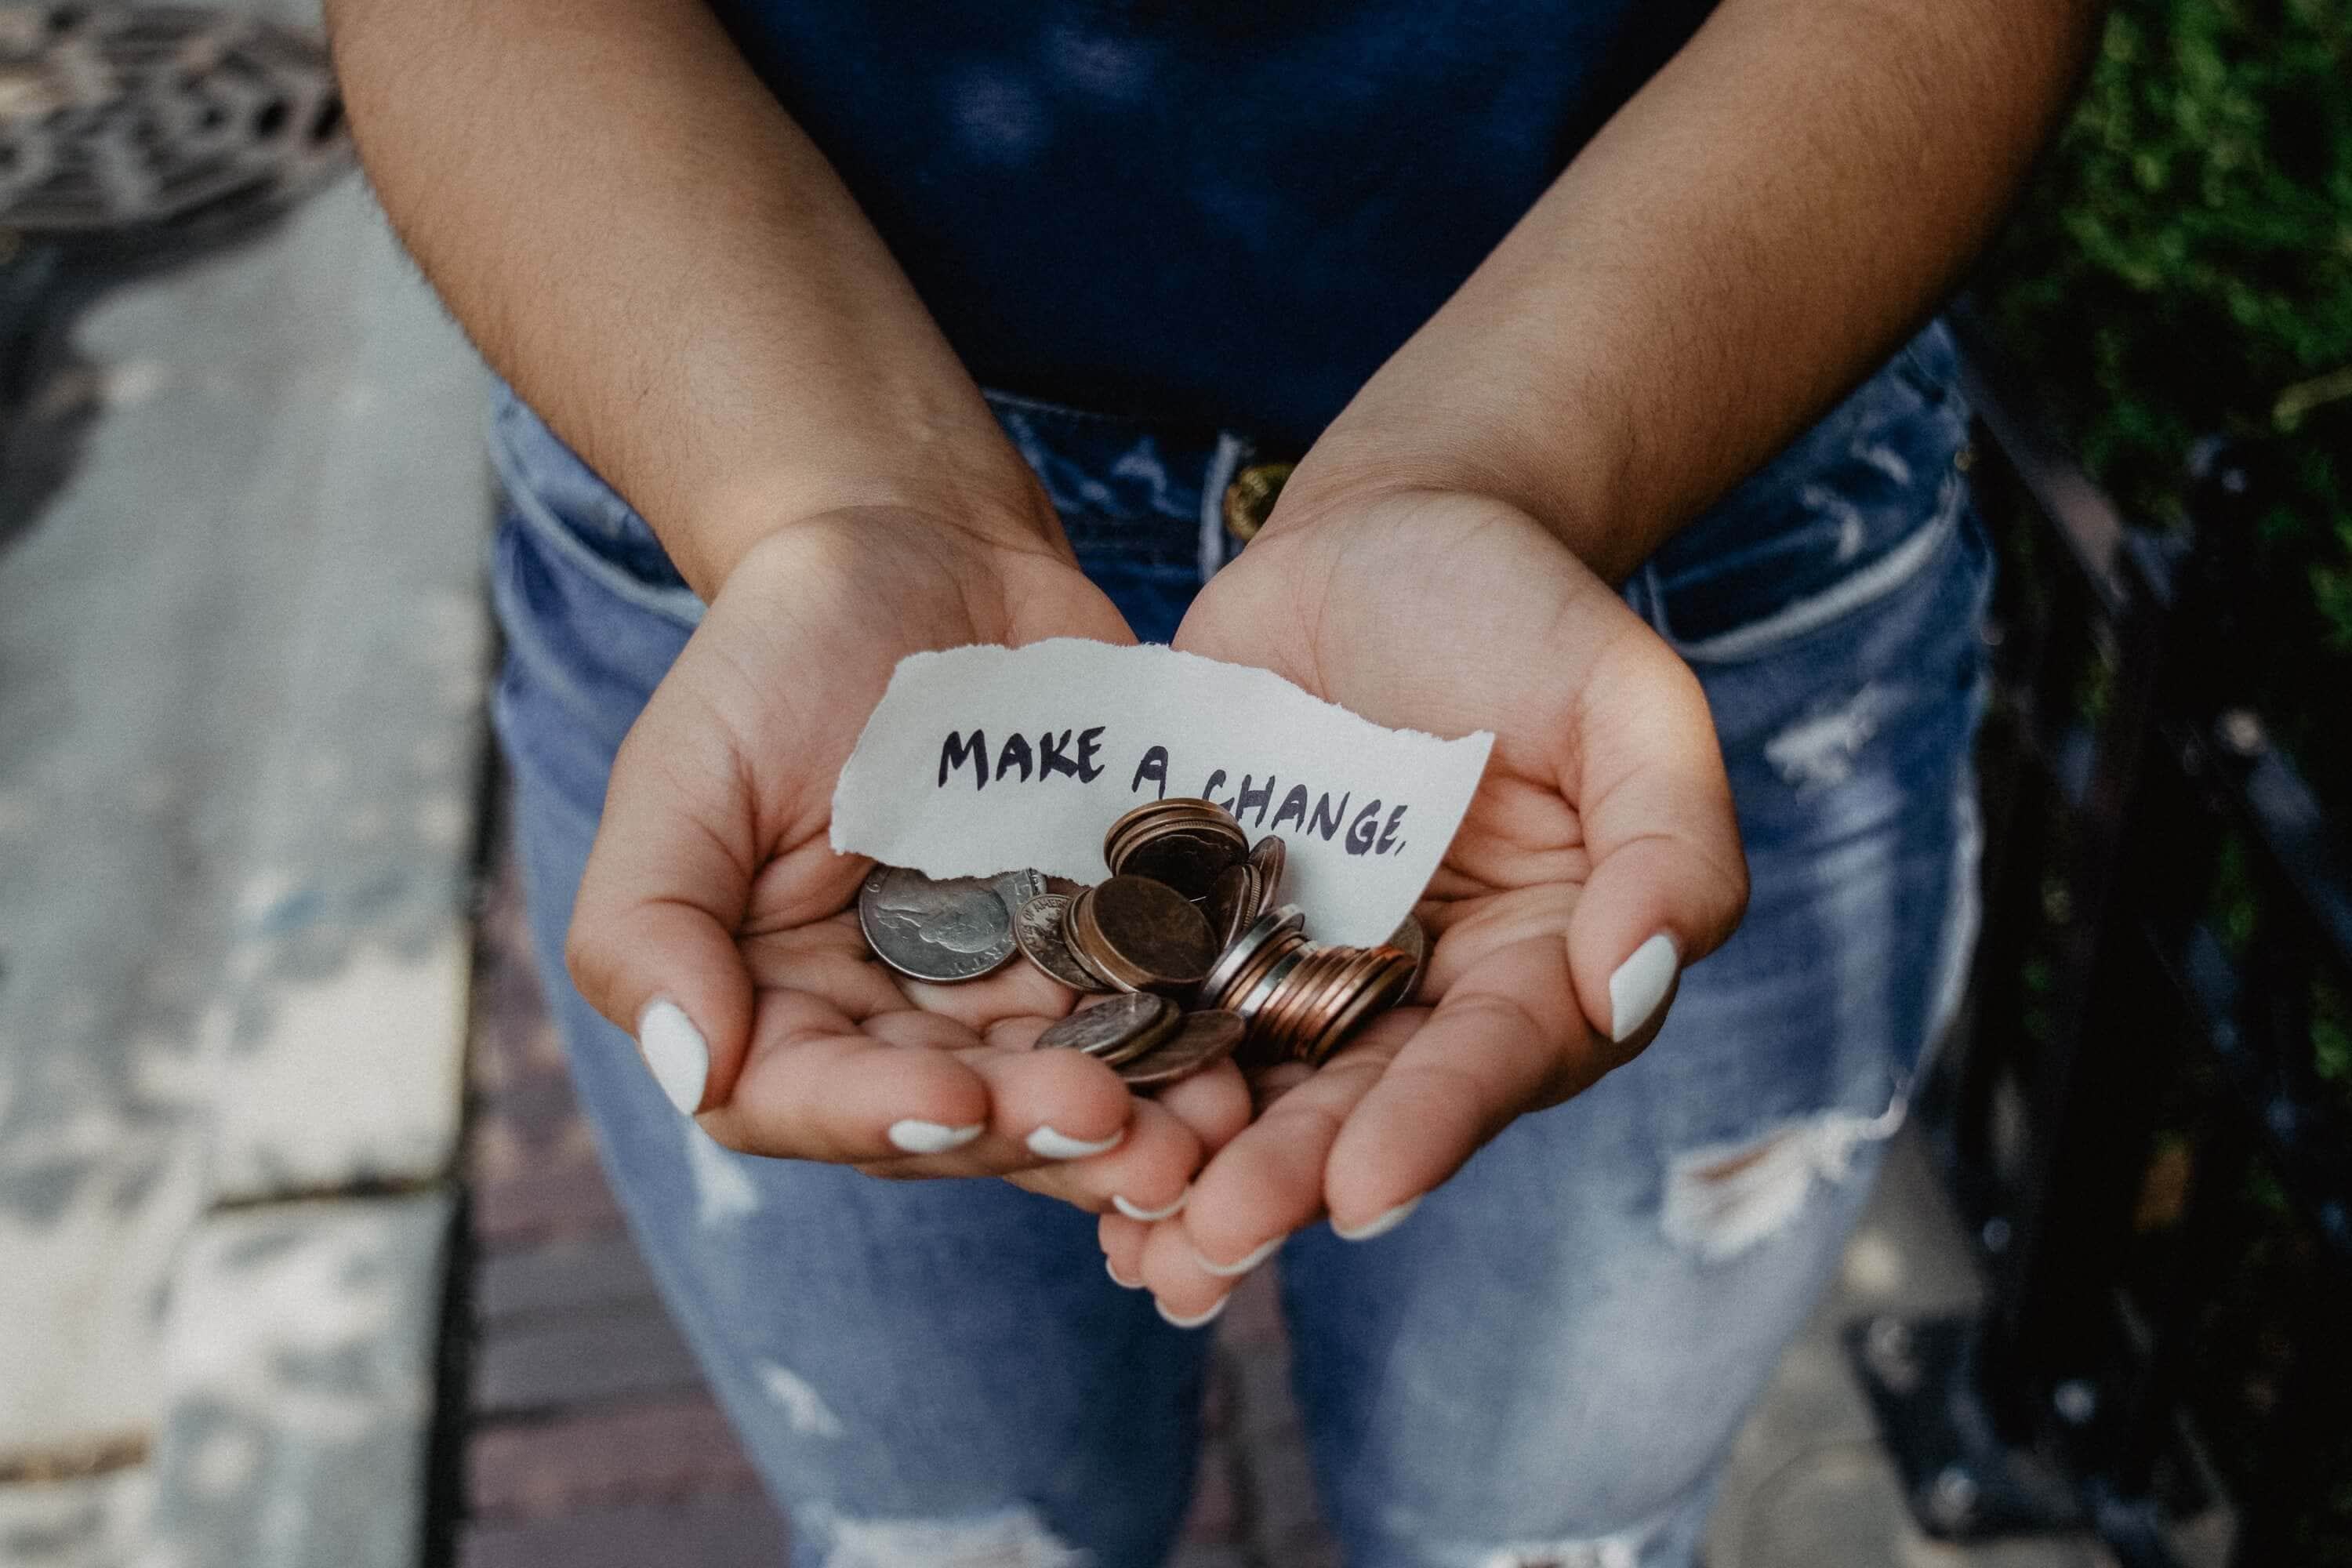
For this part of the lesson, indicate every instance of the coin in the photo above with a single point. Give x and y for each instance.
(1217, 990)
(942, 930)
(1037, 926)
(1109, 1029)
(1141, 935)
(1233, 900)
(1201, 1042)
(1270, 858)
(1183, 843)
(1414, 943)
(1017, 888)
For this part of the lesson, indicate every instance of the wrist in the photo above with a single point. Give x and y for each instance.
(729, 523)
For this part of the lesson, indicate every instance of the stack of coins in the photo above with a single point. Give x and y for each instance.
(1187, 918)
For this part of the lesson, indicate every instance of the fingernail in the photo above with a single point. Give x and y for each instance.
(1048, 1144)
(1379, 1226)
(1641, 984)
(1112, 1269)
(1191, 1322)
(931, 1137)
(674, 1049)
(1133, 1211)
(1229, 1269)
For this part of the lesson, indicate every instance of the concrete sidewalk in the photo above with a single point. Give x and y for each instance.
(242, 661)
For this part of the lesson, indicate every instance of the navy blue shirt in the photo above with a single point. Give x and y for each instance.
(1214, 213)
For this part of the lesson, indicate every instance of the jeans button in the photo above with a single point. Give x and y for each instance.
(1249, 500)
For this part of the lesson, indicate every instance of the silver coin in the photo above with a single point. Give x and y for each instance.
(1017, 888)
(951, 929)
(1263, 930)
(1037, 926)
(1117, 1030)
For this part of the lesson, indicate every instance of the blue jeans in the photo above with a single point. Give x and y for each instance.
(1549, 1362)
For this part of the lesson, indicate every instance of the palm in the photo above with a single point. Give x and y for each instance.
(714, 882)
(1451, 613)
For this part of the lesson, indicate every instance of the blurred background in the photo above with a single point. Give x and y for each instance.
(303, 1254)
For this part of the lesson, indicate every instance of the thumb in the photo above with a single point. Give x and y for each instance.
(652, 944)
(1668, 882)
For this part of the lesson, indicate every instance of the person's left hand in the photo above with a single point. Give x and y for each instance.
(1604, 824)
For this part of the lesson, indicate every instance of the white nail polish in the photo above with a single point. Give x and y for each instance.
(1191, 1322)
(931, 1137)
(675, 1052)
(1641, 984)
(1122, 1284)
(1229, 1269)
(1048, 1144)
(1379, 1225)
(1133, 1211)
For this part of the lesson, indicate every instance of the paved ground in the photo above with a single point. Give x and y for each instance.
(242, 653)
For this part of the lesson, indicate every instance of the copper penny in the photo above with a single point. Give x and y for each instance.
(1233, 900)
(1145, 934)
(1201, 1042)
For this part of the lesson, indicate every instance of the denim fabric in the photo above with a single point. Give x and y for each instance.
(1548, 1362)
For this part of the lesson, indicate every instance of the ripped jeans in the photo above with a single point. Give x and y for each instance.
(1549, 1362)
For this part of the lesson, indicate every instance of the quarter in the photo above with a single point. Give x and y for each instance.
(940, 929)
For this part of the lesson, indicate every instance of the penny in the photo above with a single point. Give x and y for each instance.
(1270, 858)
(1202, 1041)
(1037, 926)
(1183, 842)
(940, 929)
(1108, 1028)
(1141, 934)
(1233, 900)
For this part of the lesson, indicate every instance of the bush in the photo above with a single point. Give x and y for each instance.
(2183, 266)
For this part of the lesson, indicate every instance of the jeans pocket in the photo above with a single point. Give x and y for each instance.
(1852, 510)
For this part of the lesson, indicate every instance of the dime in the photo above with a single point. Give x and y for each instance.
(939, 930)
(1037, 928)
(1017, 888)
(1141, 935)
(1217, 990)
(1233, 903)
(1202, 1041)
(1116, 1030)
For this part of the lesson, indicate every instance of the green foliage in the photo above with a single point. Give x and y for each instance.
(2183, 266)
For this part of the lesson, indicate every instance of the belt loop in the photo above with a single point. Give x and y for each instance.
(1231, 454)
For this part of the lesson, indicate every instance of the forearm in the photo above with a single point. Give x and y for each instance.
(1757, 228)
(641, 241)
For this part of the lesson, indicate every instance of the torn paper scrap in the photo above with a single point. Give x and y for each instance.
(982, 760)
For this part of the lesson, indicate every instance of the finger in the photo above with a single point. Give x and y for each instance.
(1188, 1295)
(652, 939)
(817, 1086)
(1668, 880)
(1146, 1177)
(1508, 1036)
(1122, 1241)
(1214, 1104)
(1269, 1181)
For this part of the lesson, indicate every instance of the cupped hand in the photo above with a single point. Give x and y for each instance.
(1599, 855)
(716, 923)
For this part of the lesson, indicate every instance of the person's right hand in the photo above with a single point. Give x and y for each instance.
(716, 925)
